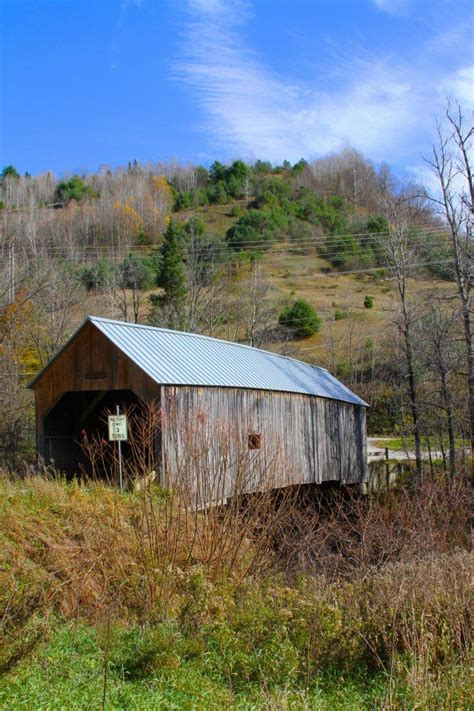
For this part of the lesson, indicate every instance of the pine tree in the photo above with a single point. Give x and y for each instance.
(172, 277)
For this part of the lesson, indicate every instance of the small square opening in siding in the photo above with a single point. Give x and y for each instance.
(255, 440)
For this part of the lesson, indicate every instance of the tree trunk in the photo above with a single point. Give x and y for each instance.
(450, 422)
(413, 396)
(451, 162)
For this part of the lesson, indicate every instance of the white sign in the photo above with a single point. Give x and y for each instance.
(118, 428)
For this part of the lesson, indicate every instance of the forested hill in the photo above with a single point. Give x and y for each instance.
(339, 204)
(306, 259)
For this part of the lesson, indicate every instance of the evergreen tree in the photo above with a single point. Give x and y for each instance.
(169, 309)
(10, 172)
(172, 277)
(301, 318)
(73, 189)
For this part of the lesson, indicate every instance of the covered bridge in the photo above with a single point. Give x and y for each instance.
(222, 406)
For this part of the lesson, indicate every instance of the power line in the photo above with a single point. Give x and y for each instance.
(116, 253)
(354, 249)
(309, 348)
(411, 265)
(321, 240)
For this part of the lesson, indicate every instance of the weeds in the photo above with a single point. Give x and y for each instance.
(301, 589)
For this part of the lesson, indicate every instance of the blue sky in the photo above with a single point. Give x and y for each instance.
(91, 83)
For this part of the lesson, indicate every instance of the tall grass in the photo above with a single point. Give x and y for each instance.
(267, 589)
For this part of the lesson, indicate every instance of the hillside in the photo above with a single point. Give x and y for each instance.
(236, 251)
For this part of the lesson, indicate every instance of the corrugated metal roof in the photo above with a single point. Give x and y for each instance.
(177, 358)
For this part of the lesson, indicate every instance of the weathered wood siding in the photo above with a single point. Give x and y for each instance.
(304, 439)
(205, 430)
(89, 362)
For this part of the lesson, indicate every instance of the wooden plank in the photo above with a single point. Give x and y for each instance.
(304, 439)
(89, 354)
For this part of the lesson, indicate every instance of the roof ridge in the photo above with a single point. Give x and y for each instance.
(92, 319)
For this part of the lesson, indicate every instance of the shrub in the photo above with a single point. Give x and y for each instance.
(330, 214)
(254, 228)
(301, 318)
(299, 231)
(97, 277)
(237, 211)
(136, 272)
(183, 200)
(345, 252)
(339, 315)
(364, 583)
(271, 192)
(73, 189)
(217, 193)
(376, 224)
(368, 302)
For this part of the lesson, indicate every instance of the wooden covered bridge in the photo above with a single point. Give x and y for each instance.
(222, 406)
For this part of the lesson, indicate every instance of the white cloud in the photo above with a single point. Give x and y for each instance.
(127, 3)
(210, 6)
(393, 7)
(460, 84)
(423, 174)
(377, 105)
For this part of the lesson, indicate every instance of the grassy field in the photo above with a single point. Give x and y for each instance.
(403, 444)
(70, 671)
(306, 275)
(123, 601)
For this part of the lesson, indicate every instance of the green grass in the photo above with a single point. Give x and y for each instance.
(207, 641)
(401, 444)
(216, 218)
(67, 672)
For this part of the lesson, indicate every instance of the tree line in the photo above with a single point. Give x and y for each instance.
(134, 243)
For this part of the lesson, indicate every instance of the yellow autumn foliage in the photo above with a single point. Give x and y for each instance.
(17, 323)
(129, 215)
(150, 215)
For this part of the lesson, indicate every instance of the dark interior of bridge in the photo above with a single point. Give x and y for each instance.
(76, 431)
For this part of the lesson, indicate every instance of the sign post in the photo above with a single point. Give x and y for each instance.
(117, 433)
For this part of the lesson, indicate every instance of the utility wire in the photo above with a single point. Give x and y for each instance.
(338, 246)
(320, 240)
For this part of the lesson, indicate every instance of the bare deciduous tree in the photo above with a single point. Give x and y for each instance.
(400, 257)
(56, 307)
(451, 163)
(439, 351)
